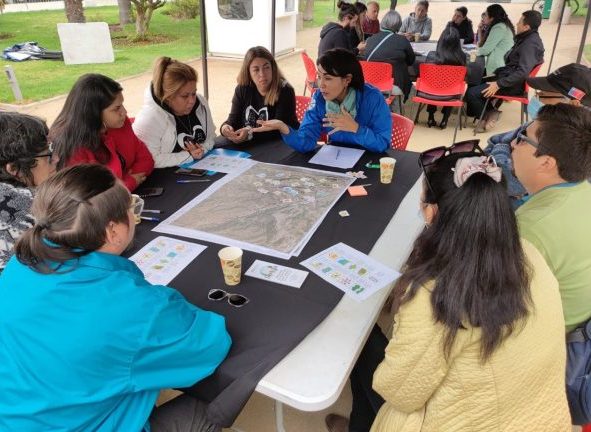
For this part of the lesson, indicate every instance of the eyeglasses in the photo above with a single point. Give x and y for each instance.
(137, 206)
(235, 300)
(522, 136)
(429, 157)
(49, 153)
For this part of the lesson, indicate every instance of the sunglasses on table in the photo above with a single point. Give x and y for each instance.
(236, 300)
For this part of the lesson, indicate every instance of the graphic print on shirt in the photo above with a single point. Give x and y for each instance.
(252, 115)
(198, 137)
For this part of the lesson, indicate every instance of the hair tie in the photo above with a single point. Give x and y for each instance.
(43, 224)
(465, 167)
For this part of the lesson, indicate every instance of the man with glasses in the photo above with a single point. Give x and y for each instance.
(569, 84)
(552, 159)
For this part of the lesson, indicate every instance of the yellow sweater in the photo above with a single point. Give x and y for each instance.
(520, 388)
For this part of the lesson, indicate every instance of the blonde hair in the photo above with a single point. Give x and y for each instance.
(169, 76)
(277, 79)
(72, 210)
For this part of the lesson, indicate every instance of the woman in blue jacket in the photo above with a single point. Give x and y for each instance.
(86, 343)
(344, 107)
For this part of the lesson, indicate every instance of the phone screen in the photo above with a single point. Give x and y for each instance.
(150, 192)
(191, 172)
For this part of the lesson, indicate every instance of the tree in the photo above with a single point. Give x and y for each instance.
(309, 10)
(74, 11)
(124, 11)
(144, 10)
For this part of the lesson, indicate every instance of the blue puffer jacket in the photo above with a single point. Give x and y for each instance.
(373, 117)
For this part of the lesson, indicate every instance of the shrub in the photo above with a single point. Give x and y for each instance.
(184, 9)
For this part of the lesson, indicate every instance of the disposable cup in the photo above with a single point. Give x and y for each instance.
(231, 261)
(473, 55)
(137, 205)
(387, 169)
(417, 37)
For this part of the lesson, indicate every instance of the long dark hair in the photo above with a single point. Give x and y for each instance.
(498, 14)
(277, 79)
(22, 138)
(79, 123)
(72, 210)
(473, 253)
(346, 10)
(449, 48)
(340, 62)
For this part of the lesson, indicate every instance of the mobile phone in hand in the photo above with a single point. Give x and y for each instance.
(191, 172)
(150, 192)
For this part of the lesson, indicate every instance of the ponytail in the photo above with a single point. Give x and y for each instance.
(169, 76)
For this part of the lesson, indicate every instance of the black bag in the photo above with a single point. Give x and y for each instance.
(578, 374)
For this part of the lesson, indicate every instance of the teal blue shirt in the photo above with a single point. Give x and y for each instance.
(90, 349)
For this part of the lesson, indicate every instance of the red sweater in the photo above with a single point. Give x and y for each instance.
(370, 26)
(122, 144)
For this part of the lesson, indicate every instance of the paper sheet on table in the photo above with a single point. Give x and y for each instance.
(277, 273)
(353, 272)
(164, 258)
(337, 157)
(225, 164)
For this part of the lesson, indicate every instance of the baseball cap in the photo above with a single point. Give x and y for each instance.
(572, 80)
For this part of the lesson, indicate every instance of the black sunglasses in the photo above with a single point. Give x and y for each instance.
(49, 153)
(236, 300)
(429, 157)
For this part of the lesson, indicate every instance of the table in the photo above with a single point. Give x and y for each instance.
(284, 381)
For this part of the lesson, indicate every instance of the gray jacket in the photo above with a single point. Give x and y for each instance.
(412, 25)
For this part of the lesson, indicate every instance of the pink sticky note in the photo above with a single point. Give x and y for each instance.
(355, 191)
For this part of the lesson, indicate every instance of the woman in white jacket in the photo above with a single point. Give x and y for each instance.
(175, 122)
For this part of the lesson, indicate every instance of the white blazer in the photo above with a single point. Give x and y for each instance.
(156, 127)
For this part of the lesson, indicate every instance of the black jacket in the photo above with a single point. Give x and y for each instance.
(527, 53)
(465, 29)
(332, 36)
(397, 51)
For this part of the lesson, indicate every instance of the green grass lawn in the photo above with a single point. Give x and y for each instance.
(325, 11)
(587, 52)
(43, 79)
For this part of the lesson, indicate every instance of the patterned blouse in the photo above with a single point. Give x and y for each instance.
(15, 217)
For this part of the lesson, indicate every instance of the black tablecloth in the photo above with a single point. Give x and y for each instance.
(277, 317)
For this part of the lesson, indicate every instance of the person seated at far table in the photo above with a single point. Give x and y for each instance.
(552, 159)
(496, 33)
(481, 30)
(87, 342)
(390, 47)
(449, 52)
(356, 31)
(569, 84)
(418, 23)
(337, 34)
(262, 93)
(526, 54)
(175, 122)
(344, 107)
(465, 354)
(26, 161)
(462, 24)
(371, 23)
(93, 127)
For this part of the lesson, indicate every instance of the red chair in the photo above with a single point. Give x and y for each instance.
(311, 73)
(587, 428)
(524, 100)
(302, 103)
(446, 84)
(402, 128)
(379, 75)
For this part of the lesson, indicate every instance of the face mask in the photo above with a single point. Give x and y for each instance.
(533, 107)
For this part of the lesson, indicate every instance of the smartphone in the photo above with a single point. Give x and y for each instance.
(191, 172)
(150, 192)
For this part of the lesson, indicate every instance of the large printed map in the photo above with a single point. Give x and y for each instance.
(268, 208)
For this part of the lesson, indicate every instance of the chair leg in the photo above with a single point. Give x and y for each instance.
(401, 104)
(419, 108)
(305, 87)
(465, 117)
(522, 112)
(456, 128)
(524, 108)
(460, 112)
(482, 113)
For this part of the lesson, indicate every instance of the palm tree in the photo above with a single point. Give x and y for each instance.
(74, 11)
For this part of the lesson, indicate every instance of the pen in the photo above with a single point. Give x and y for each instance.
(151, 211)
(151, 219)
(366, 184)
(193, 181)
(338, 153)
(370, 165)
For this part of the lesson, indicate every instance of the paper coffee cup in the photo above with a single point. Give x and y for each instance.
(387, 169)
(417, 37)
(473, 55)
(231, 261)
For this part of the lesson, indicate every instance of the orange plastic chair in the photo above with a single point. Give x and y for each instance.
(402, 128)
(524, 100)
(379, 75)
(311, 73)
(442, 82)
(302, 103)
